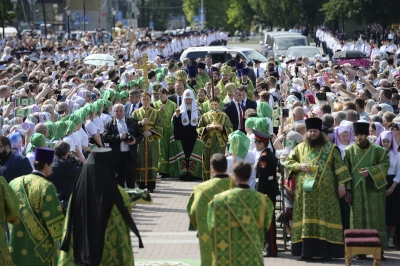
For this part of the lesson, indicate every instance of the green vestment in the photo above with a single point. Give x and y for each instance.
(9, 206)
(316, 214)
(166, 115)
(222, 90)
(238, 219)
(214, 140)
(201, 106)
(368, 209)
(33, 240)
(117, 243)
(155, 126)
(203, 78)
(197, 211)
(250, 88)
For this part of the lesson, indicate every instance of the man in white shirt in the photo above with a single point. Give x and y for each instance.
(86, 53)
(258, 71)
(374, 49)
(365, 47)
(7, 54)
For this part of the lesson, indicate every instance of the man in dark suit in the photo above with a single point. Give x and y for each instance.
(246, 102)
(178, 96)
(209, 69)
(12, 165)
(133, 103)
(252, 75)
(123, 135)
(234, 110)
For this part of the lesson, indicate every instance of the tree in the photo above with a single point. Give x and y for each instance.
(216, 15)
(9, 15)
(384, 12)
(241, 15)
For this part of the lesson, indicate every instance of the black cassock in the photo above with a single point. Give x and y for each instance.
(186, 134)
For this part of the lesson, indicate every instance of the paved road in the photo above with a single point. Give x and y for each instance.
(164, 225)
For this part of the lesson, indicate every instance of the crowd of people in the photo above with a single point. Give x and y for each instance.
(333, 126)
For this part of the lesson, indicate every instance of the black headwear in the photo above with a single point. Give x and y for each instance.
(361, 128)
(313, 123)
(94, 195)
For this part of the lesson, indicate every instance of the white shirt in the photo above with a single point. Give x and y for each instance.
(91, 128)
(260, 72)
(70, 142)
(99, 124)
(122, 127)
(394, 168)
(84, 138)
(248, 159)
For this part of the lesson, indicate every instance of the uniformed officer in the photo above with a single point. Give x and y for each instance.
(267, 184)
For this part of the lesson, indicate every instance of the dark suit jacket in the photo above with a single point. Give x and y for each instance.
(213, 68)
(111, 136)
(16, 166)
(128, 107)
(250, 104)
(174, 98)
(252, 76)
(232, 113)
(62, 176)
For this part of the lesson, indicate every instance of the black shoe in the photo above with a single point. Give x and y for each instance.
(361, 257)
(151, 190)
(382, 257)
(304, 258)
(164, 175)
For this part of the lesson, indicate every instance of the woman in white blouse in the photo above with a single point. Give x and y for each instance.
(92, 130)
(387, 141)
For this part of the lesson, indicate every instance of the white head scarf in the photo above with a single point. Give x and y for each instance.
(188, 94)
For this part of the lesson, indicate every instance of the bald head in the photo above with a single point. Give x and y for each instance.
(298, 113)
(301, 128)
(42, 129)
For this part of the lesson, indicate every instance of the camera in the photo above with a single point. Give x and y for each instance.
(129, 138)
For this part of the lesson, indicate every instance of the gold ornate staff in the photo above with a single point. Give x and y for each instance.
(214, 106)
(145, 67)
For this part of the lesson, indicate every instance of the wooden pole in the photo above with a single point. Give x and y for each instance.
(145, 67)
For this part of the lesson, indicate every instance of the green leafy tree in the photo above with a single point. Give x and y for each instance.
(216, 15)
(9, 15)
(241, 15)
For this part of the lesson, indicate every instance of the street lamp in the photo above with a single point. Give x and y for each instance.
(68, 12)
(84, 15)
(44, 19)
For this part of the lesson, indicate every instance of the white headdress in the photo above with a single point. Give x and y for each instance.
(188, 94)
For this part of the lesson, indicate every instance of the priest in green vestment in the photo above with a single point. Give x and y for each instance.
(207, 104)
(214, 128)
(167, 109)
(98, 224)
(9, 207)
(238, 219)
(226, 72)
(201, 74)
(230, 89)
(246, 82)
(192, 81)
(198, 203)
(151, 125)
(368, 164)
(201, 99)
(321, 174)
(33, 241)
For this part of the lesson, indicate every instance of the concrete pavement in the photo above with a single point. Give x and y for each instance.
(164, 230)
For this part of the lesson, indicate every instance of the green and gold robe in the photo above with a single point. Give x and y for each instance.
(203, 78)
(238, 219)
(117, 243)
(201, 106)
(155, 126)
(9, 207)
(316, 214)
(214, 140)
(166, 116)
(33, 241)
(368, 209)
(250, 88)
(222, 90)
(197, 211)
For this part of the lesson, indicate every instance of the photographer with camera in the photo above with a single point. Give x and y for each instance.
(63, 172)
(123, 136)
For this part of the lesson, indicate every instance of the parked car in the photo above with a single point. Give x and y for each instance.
(224, 53)
(278, 44)
(300, 51)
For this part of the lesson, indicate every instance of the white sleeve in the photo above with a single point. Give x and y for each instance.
(91, 129)
(71, 143)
